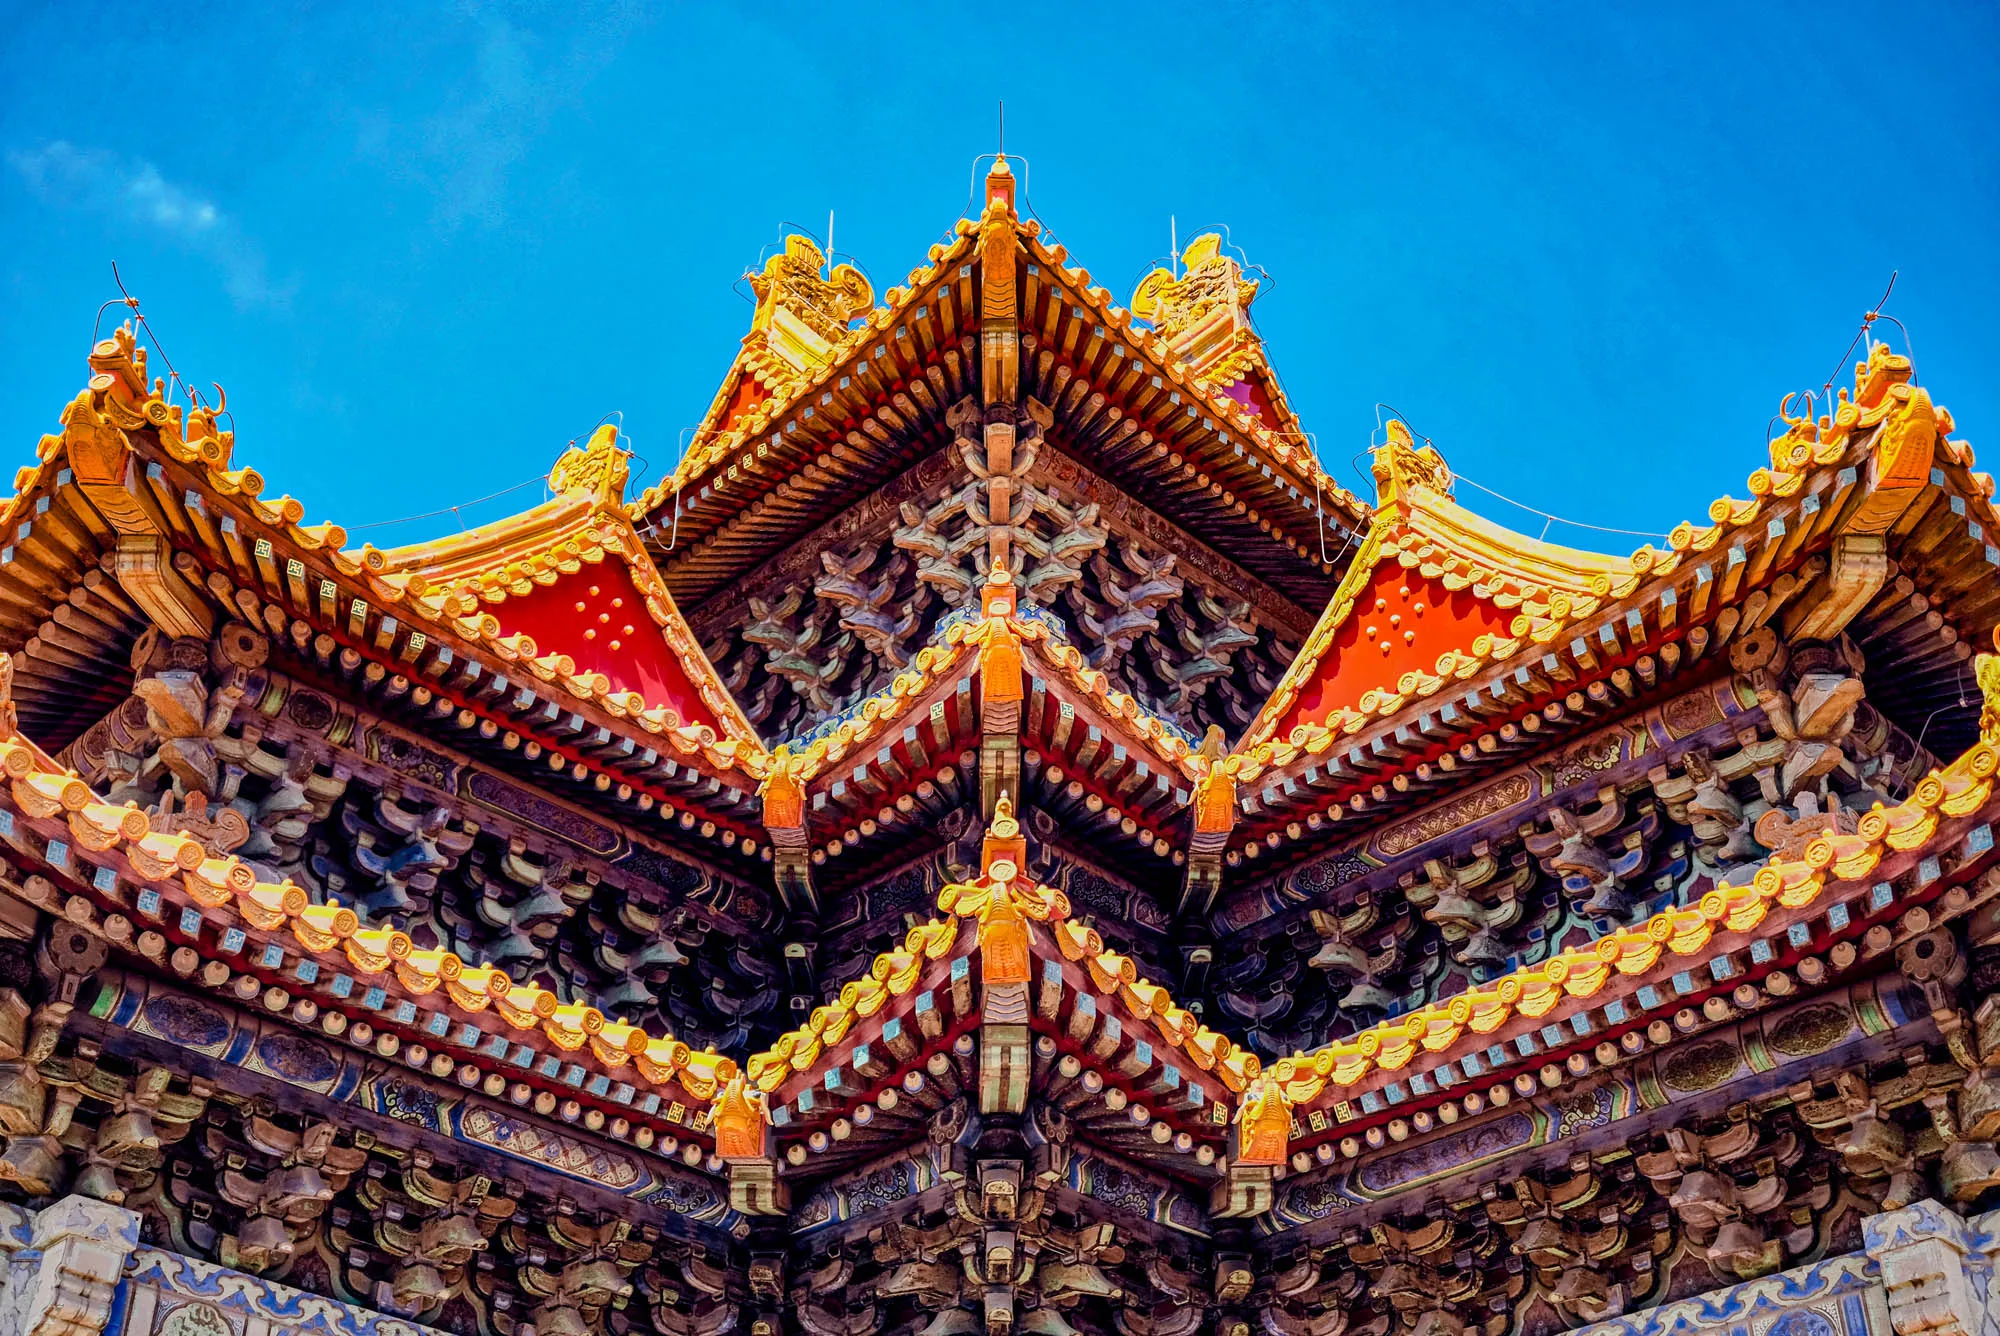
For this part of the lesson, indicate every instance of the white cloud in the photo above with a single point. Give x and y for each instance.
(495, 109)
(162, 202)
(132, 191)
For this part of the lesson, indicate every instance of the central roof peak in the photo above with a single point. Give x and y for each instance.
(863, 469)
(1000, 184)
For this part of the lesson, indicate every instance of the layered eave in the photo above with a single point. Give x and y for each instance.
(519, 572)
(1524, 646)
(1522, 641)
(1002, 954)
(1444, 630)
(133, 515)
(164, 896)
(880, 773)
(1845, 898)
(1242, 478)
(1433, 586)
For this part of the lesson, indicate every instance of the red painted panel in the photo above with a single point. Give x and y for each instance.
(1253, 396)
(747, 395)
(598, 617)
(1401, 622)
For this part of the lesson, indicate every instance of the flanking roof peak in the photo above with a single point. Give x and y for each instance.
(569, 584)
(1433, 586)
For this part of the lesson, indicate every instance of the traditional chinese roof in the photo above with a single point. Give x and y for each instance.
(866, 765)
(1433, 591)
(857, 813)
(1520, 641)
(914, 1002)
(854, 390)
(1204, 314)
(568, 587)
(218, 907)
(137, 517)
(1844, 888)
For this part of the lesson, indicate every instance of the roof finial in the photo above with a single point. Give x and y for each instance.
(1004, 844)
(806, 301)
(1205, 312)
(997, 599)
(1000, 180)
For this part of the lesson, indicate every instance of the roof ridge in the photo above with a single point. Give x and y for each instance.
(1433, 535)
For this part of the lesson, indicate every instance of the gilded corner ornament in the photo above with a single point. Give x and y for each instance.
(1263, 1123)
(1204, 311)
(741, 1118)
(1986, 670)
(803, 308)
(1399, 465)
(1175, 304)
(597, 469)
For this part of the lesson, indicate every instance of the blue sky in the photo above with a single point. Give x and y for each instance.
(1585, 249)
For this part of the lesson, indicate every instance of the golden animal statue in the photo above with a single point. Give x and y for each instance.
(742, 1119)
(1003, 939)
(1263, 1124)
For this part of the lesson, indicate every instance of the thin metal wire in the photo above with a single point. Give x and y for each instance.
(625, 442)
(1145, 268)
(1048, 234)
(1867, 319)
(1548, 517)
(770, 248)
(1266, 284)
(449, 510)
(1909, 349)
(139, 318)
(1558, 519)
(1352, 531)
(1958, 679)
(1319, 507)
(1771, 427)
(1354, 463)
(1319, 514)
(97, 326)
(651, 529)
(687, 438)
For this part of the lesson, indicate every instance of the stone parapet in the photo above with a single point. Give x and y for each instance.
(1935, 1267)
(63, 1267)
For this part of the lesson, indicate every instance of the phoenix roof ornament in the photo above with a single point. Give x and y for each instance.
(1399, 465)
(1214, 281)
